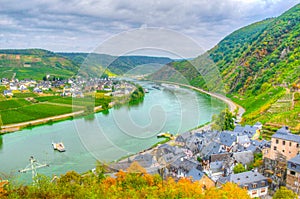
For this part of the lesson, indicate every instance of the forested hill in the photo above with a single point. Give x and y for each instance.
(36, 63)
(116, 65)
(259, 66)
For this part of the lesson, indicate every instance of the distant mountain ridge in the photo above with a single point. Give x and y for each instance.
(117, 65)
(258, 66)
(36, 63)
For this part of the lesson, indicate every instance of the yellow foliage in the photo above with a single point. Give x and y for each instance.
(125, 185)
(135, 167)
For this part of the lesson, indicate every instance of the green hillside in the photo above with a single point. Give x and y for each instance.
(258, 67)
(35, 63)
(95, 64)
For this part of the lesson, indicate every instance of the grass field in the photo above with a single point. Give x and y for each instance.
(18, 110)
(24, 95)
(33, 112)
(14, 103)
(46, 98)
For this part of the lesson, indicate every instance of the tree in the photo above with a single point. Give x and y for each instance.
(223, 121)
(239, 168)
(284, 193)
(135, 167)
(1, 122)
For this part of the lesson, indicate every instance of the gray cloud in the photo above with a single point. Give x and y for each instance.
(81, 25)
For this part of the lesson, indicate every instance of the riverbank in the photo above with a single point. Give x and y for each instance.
(16, 127)
(133, 97)
(205, 127)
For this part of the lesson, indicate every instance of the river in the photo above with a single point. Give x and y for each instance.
(124, 130)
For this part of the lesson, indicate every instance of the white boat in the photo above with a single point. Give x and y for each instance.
(59, 146)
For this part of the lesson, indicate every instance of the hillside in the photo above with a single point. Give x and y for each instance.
(34, 63)
(258, 66)
(98, 63)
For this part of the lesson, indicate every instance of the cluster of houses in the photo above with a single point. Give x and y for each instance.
(209, 157)
(67, 87)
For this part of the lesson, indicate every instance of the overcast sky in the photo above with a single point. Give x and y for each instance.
(81, 25)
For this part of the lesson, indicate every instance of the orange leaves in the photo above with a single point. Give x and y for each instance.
(126, 185)
(232, 191)
(149, 179)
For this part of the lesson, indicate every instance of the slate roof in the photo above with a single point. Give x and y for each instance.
(195, 174)
(186, 164)
(250, 129)
(145, 160)
(168, 157)
(216, 166)
(183, 137)
(211, 148)
(165, 148)
(193, 142)
(246, 130)
(243, 139)
(219, 157)
(238, 128)
(285, 134)
(246, 179)
(243, 157)
(120, 166)
(294, 164)
(227, 138)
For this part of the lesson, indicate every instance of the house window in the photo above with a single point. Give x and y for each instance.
(254, 185)
(297, 145)
(263, 183)
(283, 151)
(293, 165)
(246, 187)
(293, 173)
(254, 192)
(275, 148)
(277, 141)
(283, 142)
(263, 191)
(290, 143)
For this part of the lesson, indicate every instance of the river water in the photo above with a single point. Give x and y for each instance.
(124, 130)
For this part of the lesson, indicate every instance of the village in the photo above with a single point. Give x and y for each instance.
(213, 158)
(67, 87)
(210, 157)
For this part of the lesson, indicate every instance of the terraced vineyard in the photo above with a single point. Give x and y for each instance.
(282, 105)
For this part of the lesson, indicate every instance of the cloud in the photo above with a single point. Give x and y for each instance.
(80, 25)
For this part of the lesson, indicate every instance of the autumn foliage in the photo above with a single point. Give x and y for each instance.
(121, 185)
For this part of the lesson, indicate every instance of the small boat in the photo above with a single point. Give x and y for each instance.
(165, 135)
(59, 146)
(156, 87)
(146, 90)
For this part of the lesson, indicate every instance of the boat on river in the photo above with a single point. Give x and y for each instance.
(58, 146)
(165, 135)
